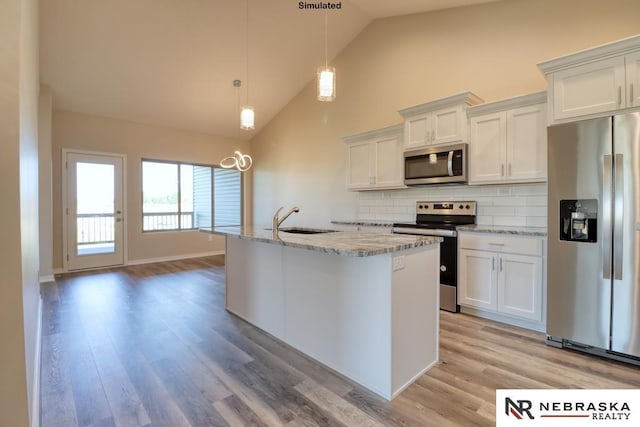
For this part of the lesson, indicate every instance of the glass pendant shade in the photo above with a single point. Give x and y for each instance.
(326, 84)
(247, 118)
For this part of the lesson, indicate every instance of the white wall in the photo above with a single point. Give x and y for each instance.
(44, 185)
(491, 49)
(19, 287)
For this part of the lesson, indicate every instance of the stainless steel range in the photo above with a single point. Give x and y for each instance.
(441, 219)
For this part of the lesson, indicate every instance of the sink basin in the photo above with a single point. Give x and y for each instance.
(301, 230)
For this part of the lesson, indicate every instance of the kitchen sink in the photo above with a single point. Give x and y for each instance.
(301, 230)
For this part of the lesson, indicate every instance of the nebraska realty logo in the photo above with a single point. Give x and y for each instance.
(567, 407)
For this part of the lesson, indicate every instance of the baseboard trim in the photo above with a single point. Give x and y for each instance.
(497, 317)
(47, 278)
(35, 402)
(173, 258)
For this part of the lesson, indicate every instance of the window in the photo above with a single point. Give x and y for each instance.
(180, 196)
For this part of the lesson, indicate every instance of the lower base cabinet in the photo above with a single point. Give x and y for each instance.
(502, 275)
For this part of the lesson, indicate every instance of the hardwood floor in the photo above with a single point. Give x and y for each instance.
(153, 345)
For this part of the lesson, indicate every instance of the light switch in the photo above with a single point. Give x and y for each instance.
(398, 262)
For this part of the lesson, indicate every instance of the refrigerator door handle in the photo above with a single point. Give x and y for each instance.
(618, 209)
(606, 216)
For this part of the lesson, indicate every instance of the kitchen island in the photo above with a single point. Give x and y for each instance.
(363, 304)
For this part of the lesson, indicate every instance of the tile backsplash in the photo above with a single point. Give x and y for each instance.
(507, 205)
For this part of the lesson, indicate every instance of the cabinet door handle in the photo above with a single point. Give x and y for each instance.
(502, 169)
(619, 95)
(631, 94)
(509, 169)
(500, 264)
(433, 135)
(493, 263)
(495, 244)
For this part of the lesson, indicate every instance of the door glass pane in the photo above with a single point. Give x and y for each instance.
(95, 208)
(159, 196)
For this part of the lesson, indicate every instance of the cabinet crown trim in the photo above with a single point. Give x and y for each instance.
(468, 98)
(508, 103)
(375, 133)
(597, 53)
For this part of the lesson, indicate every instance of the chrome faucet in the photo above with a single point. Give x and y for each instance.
(277, 220)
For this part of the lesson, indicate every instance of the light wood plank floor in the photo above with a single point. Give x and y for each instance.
(153, 345)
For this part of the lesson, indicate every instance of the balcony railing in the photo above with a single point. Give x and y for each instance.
(153, 221)
(95, 228)
(98, 228)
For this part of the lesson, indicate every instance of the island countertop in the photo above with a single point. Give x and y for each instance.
(347, 243)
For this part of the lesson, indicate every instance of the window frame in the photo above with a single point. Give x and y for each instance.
(178, 163)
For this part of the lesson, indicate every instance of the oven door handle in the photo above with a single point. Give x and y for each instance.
(424, 232)
(450, 163)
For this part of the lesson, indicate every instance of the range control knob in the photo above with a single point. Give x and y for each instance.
(461, 207)
(419, 206)
(467, 207)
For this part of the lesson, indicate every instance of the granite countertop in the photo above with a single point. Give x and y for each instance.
(521, 231)
(365, 222)
(347, 243)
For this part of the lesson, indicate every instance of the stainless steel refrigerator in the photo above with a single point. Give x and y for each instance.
(593, 268)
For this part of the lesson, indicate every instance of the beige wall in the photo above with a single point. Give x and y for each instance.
(44, 184)
(136, 141)
(19, 287)
(398, 62)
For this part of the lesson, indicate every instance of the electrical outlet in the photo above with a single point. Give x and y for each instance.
(398, 262)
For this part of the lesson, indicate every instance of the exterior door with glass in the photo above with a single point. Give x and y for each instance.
(94, 210)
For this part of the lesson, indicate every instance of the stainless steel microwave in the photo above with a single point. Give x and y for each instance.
(436, 165)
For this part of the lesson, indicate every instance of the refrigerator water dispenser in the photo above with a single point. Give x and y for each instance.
(579, 220)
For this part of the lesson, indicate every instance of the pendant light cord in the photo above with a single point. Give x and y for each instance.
(247, 49)
(325, 38)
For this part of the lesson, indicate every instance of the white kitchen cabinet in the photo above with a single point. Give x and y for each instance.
(441, 121)
(508, 140)
(501, 274)
(375, 160)
(478, 279)
(520, 286)
(594, 82)
(632, 67)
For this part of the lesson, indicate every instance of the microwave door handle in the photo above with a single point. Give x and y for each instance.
(450, 163)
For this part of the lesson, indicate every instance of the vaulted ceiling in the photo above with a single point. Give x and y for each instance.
(172, 62)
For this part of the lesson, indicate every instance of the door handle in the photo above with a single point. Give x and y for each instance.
(500, 263)
(606, 216)
(118, 219)
(509, 171)
(618, 212)
(450, 163)
(502, 169)
(631, 95)
(493, 263)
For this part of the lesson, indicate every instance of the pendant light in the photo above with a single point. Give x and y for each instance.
(326, 74)
(239, 161)
(247, 114)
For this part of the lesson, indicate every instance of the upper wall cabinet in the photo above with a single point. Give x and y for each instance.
(594, 82)
(374, 159)
(441, 121)
(508, 140)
